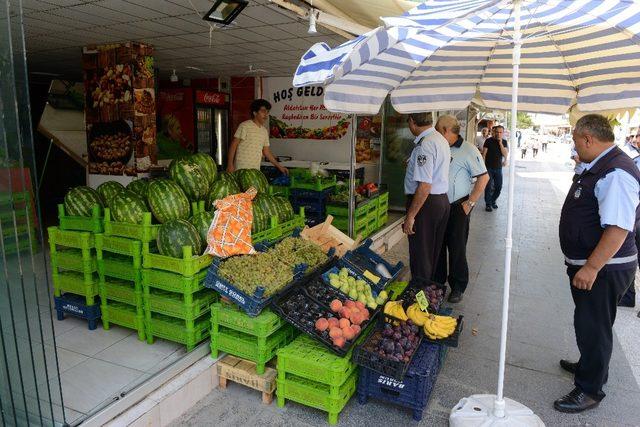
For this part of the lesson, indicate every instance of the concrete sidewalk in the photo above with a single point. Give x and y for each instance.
(540, 328)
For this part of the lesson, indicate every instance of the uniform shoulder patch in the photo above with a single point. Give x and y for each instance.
(422, 159)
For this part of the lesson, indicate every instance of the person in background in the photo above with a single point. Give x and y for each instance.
(495, 154)
(579, 167)
(535, 146)
(480, 139)
(631, 148)
(426, 183)
(545, 143)
(597, 239)
(523, 149)
(251, 141)
(466, 165)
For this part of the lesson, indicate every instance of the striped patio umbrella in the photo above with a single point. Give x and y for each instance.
(531, 55)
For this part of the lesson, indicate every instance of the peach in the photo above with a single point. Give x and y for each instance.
(360, 305)
(322, 324)
(357, 319)
(333, 322)
(348, 333)
(344, 323)
(345, 312)
(356, 329)
(335, 305)
(335, 332)
(349, 304)
(339, 342)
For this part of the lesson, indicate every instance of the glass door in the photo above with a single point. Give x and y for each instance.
(204, 129)
(30, 391)
(398, 143)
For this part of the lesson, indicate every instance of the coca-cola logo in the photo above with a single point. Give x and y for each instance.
(215, 98)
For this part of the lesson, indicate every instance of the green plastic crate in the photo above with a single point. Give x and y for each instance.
(76, 283)
(362, 208)
(188, 265)
(145, 232)
(12, 229)
(188, 307)
(173, 282)
(314, 183)
(82, 240)
(273, 233)
(93, 224)
(383, 202)
(230, 316)
(342, 223)
(23, 243)
(121, 246)
(258, 350)
(73, 259)
(198, 207)
(124, 315)
(176, 330)
(287, 228)
(382, 220)
(8, 198)
(279, 190)
(120, 267)
(122, 291)
(372, 225)
(317, 395)
(309, 359)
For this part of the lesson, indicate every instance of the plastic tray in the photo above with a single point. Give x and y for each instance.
(71, 239)
(365, 355)
(273, 233)
(121, 291)
(124, 315)
(145, 232)
(341, 209)
(93, 224)
(352, 272)
(313, 183)
(173, 329)
(72, 259)
(76, 283)
(175, 305)
(76, 306)
(263, 325)
(188, 265)
(316, 395)
(382, 220)
(288, 228)
(120, 267)
(173, 282)
(363, 258)
(121, 246)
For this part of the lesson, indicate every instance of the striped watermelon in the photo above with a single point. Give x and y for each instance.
(202, 221)
(79, 201)
(207, 164)
(128, 207)
(219, 190)
(167, 200)
(108, 190)
(285, 210)
(268, 204)
(191, 178)
(175, 234)
(228, 177)
(248, 178)
(140, 187)
(260, 218)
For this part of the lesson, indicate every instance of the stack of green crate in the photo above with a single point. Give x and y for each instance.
(120, 272)
(364, 216)
(17, 222)
(176, 303)
(252, 338)
(310, 374)
(74, 263)
(383, 209)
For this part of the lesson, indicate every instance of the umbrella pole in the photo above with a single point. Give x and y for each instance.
(499, 406)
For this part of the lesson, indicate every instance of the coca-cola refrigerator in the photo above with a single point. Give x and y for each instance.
(212, 124)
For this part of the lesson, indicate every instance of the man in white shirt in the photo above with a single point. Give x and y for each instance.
(480, 139)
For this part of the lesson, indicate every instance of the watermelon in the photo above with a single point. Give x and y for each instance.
(167, 200)
(128, 207)
(260, 218)
(174, 234)
(248, 178)
(219, 190)
(140, 187)
(191, 178)
(208, 165)
(202, 221)
(285, 209)
(79, 201)
(228, 177)
(108, 190)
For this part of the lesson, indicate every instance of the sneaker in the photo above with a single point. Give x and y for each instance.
(488, 209)
(455, 297)
(494, 206)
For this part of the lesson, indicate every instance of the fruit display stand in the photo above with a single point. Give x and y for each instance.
(120, 272)
(74, 272)
(256, 339)
(328, 236)
(364, 211)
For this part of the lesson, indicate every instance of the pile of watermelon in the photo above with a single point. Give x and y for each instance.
(192, 179)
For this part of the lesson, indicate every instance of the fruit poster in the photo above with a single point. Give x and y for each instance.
(120, 108)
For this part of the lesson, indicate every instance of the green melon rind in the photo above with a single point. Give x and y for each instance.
(167, 201)
(128, 207)
(175, 234)
(79, 201)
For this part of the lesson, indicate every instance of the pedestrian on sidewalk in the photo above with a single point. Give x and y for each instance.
(466, 165)
(632, 150)
(535, 146)
(480, 139)
(426, 183)
(495, 154)
(545, 143)
(523, 149)
(597, 238)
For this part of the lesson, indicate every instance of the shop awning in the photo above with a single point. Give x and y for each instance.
(65, 128)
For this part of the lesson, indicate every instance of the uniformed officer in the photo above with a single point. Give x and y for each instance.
(466, 165)
(426, 184)
(597, 236)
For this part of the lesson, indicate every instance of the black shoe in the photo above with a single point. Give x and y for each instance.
(570, 367)
(488, 208)
(494, 206)
(455, 297)
(574, 402)
(626, 303)
(639, 314)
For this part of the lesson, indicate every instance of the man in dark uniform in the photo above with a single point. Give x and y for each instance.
(426, 183)
(597, 238)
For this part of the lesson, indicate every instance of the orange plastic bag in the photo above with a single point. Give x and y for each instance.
(230, 231)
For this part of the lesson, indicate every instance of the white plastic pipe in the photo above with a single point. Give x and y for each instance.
(499, 405)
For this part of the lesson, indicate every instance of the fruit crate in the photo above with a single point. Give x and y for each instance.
(312, 208)
(93, 224)
(230, 316)
(76, 283)
(173, 282)
(121, 246)
(313, 183)
(71, 239)
(382, 220)
(183, 306)
(22, 243)
(119, 267)
(383, 202)
(316, 395)
(75, 305)
(145, 232)
(8, 199)
(451, 340)
(366, 355)
(341, 209)
(258, 350)
(287, 228)
(121, 291)
(188, 265)
(274, 232)
(413, 391)
(342, 223)
(336, 270)
(10, 230)
(125, 315)
(73, 259)
(364, 260)
(176, 330)
(372, 225)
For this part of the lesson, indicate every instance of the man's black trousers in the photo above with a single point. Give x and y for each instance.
(593, 317)
(455, 246)
(425, 244)
(630, 297)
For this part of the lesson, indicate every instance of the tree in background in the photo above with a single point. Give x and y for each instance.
(524, 121)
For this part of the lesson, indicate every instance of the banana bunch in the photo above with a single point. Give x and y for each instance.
(439, 327)
(416, 315)
(394, 308)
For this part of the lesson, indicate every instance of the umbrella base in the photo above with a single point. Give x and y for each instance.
(477, 411)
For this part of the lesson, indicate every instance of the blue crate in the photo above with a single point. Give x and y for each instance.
(311, 207)
(75, 305)
(367, 260)
(413, 391)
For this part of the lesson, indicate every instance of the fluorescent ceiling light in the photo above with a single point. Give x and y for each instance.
(225, 11)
